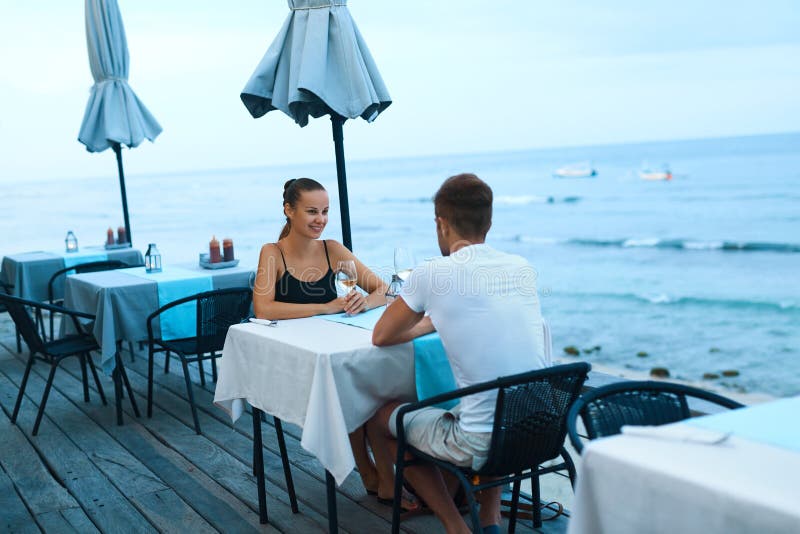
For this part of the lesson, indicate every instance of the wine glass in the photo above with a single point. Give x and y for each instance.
(346, 276)
(404, 262)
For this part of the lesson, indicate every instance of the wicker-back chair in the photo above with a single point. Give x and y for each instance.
(529, 429)
(215, 312)
(7, 289)
(606, 409)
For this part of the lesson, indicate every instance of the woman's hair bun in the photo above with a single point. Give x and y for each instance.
(288, 184)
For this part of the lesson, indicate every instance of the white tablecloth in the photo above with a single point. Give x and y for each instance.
(634, 484)
(325, 377)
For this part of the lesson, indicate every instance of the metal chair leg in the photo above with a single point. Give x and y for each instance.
(150, 358)
(166, 362)
(22, 385)
(84, 377)
(128, 386)
(214, 366)
(133, 354)
(512, 518)
(46, 394)
(287, 470)
(190, 394)
(96, 379)
(536, 499)
(201, 369)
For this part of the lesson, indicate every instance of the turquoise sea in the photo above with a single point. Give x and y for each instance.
(702, 272)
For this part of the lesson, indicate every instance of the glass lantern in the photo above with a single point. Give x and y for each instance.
(152, 259)
(71, 242)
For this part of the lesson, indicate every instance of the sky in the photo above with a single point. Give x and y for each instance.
(465, 77)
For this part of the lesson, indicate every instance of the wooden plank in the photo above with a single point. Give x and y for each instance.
(101, 500)
(41, 492)
(14, 516)
(175, 516)
(66, 521)
(219, 507)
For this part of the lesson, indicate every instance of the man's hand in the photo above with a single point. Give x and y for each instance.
(400, 324)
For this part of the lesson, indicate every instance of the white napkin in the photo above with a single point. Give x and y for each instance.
(265, 322)
(677, 432)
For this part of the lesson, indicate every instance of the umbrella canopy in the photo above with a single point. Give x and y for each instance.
(114, 115)
(319, 65)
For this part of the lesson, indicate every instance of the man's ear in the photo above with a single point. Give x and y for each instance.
(442, 226)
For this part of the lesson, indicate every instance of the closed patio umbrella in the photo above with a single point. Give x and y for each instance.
(319, 65)
(114, 115)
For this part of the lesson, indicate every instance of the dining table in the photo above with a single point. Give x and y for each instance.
(324, 375)
(28, 273)
(731, 472)
(122, 299)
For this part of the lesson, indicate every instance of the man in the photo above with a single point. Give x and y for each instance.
(484, 305)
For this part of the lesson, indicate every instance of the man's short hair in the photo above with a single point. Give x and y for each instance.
(465, 201)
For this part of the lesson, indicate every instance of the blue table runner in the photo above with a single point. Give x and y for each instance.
(773, 423)
(432, 371)
(71, 259)
(176, 283)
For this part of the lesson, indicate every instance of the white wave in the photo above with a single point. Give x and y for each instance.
(644, 242)
(703, 245)
(538, 240)
(661, 298)
(520, 200)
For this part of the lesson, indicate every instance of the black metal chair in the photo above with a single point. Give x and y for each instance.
(7, 289)
(530, 426)
(606, 409)
(215, 312)
(51, 352)
(91, 267)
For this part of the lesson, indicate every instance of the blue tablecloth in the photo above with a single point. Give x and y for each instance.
(772, 423)
(431, 367)
(176, 283)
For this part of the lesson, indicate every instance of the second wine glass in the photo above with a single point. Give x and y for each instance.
(404, 262)
(346, 276)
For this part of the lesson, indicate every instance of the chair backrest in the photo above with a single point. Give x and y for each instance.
(216, 312)
(82, 268)
(606, 409)
(530, 420)
(18, 309)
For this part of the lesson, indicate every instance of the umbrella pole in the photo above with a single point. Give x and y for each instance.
(344, 206)
(118, 151)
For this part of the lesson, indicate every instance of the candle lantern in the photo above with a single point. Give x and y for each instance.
(152, 259)
(71, 242)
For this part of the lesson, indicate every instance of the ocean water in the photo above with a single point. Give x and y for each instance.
(702, 272)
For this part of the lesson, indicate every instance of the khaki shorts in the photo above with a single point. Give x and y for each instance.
(436, 432)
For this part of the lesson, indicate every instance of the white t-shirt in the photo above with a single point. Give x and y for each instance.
(485, 307)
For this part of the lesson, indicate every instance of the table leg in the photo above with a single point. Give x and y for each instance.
(333, 520)
(117, 393)
(258, 466)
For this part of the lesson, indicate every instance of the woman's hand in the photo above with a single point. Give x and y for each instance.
(355, 302)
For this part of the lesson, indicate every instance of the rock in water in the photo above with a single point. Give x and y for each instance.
(710, 376)
(730, 372)
(572, 350)
(659, 372)
(642, 354)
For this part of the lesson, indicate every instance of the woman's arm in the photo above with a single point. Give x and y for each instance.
(367, 280)
(264, 304)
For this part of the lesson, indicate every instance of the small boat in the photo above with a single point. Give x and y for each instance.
(576, 170)
(647, 173)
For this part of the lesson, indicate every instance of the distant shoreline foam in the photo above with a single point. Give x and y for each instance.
(671, 244)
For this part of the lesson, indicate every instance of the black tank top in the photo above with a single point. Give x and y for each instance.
(290, 289)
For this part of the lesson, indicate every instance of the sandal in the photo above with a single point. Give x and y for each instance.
(408, 503)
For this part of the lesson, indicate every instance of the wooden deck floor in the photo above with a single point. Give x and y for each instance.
(83, 473)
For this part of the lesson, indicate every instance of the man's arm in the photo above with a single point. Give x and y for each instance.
(400, 324)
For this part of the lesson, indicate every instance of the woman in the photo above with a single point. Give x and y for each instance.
(296, 275)
(296, 279)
